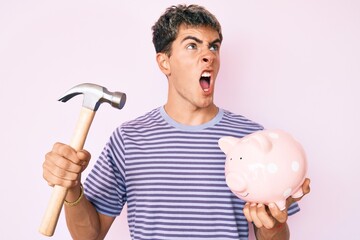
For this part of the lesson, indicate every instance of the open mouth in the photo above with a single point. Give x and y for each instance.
(205, 81)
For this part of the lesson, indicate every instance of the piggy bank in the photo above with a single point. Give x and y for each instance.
(264, 167)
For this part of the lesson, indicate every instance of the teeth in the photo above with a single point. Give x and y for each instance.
(206, 74)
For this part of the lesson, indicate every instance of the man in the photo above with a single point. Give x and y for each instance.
(166, 165)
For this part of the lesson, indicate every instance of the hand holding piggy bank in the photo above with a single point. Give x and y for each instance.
(264, 167)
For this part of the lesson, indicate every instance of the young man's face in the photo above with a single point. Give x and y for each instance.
(193, 66)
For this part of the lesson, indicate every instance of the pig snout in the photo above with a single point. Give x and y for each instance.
(235, 182)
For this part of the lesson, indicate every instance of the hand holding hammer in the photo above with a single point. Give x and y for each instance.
(94, 95)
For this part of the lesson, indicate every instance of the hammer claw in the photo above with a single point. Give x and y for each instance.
(68, 96)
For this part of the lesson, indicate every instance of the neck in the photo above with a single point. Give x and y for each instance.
(191, 116)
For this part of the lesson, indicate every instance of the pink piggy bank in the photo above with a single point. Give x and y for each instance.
(264, 167)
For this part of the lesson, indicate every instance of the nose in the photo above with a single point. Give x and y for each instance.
(208, 57)
(207, 60)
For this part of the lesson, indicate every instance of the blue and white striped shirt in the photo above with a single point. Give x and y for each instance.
(172, 178)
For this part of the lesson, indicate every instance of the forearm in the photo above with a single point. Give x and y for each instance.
(82, 220)
(279, 232)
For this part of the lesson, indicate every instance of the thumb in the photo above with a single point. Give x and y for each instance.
(84, 157)
(305, 188)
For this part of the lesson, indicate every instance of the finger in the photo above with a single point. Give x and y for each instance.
(61, 173)
(55, 180)
(254, 215)
(280, 216)
(246, 211)
(54, 160)
(66, 151)
(267, 220)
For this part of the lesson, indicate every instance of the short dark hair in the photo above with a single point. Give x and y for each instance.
(165, 30)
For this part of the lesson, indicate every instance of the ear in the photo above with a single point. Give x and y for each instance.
(262, 140)
(226, 143)
(163, 63)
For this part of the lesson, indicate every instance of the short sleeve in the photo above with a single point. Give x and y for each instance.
(105, 185)
(293, 208)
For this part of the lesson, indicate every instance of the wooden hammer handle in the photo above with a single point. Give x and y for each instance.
(58, 195)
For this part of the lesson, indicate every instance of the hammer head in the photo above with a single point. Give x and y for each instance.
(94, 95)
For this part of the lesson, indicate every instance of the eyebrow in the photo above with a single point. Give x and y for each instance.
(200, 41)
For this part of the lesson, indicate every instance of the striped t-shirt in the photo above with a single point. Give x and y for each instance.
(172, 178)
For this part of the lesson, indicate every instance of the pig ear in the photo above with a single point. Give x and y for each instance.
(226, 143)
(263, 141)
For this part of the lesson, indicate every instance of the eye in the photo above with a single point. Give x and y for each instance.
(240, 158)
(191, 46)
(214, 47)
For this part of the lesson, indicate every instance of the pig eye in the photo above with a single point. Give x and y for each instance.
(240, 158)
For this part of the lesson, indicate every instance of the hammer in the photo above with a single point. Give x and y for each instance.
(94, 95)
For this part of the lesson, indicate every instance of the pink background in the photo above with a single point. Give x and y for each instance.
(293, 65)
